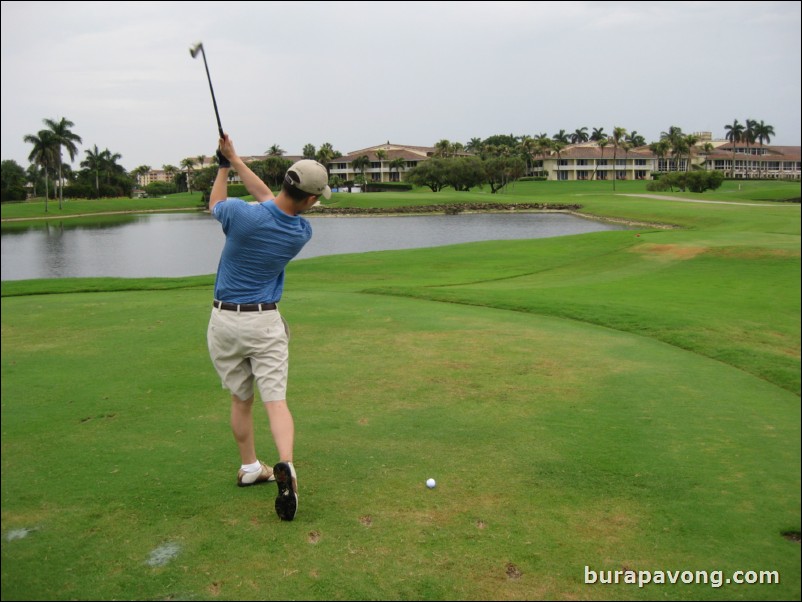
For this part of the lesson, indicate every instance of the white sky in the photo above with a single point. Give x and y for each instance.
(360, 74)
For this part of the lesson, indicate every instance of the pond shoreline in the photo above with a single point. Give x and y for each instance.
(411, 210)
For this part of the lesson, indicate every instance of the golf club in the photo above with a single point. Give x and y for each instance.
(194, 52)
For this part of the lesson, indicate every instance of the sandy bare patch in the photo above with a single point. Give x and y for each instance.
(681, 252)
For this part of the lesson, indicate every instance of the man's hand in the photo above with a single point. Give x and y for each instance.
(222, 160)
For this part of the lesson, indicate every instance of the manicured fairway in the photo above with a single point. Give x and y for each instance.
(622, 401)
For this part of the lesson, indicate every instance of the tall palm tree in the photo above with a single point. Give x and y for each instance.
(188, 164)
(44, 153)
(748, 136)
(763, 133)
(734, 135)
(170, 171)
(275, 151)
(94, 162)
(617, 138)
(557, 145)
(601, 142)
(688, 142)
(66, 139)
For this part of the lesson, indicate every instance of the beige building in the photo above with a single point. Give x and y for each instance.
(588, 161)
(387, 162)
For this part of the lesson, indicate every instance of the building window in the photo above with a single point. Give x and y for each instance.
(375, 165)
(582, 174)
(640, 174)
(562, 175)
(601, 162)
(581, 161)
(640, 162)
(620, 175)
(563, 161)
(601, 175)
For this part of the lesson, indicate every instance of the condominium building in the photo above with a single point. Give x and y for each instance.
(385, 162)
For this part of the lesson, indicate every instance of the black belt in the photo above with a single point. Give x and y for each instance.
(244, 306)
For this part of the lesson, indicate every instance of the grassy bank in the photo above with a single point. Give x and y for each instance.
(619, 401)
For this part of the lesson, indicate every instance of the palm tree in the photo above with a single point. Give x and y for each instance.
(660, 149)
(689, 141)
(326, 154)
(140, 171)
(443, 148)
(381, 155)
(44, 154)
(94, 162)
(617, 138)
(734, 135)
(580, 135)
(706, 149)
(474, 145)
(557, 146)
(561, 136)
(601, 142)
(763, 133)
(275, 151)
(748, 136)
(361, 164)
(309, 151)
(597, 135)
(170, 171)
(66, 139)
(397, 164)
(188, 164)
(527, 146)
(635, 139)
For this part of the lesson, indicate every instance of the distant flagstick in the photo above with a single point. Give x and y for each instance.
(194, 52)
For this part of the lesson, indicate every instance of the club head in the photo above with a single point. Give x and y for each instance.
(194, 50)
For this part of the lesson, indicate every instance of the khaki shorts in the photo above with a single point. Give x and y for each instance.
(247, 347)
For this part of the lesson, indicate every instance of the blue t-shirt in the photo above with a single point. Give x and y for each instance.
(260, 241)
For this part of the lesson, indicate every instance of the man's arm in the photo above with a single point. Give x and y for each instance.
(220, 188)
(253, 184)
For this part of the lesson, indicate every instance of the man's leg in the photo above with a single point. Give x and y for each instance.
(242, 428)
(282, 427)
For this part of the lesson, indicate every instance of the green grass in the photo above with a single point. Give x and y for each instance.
(35, 208)
(615, 400)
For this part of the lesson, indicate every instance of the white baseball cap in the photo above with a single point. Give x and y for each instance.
(311, 177)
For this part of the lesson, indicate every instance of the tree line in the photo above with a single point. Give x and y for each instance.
(496, 161)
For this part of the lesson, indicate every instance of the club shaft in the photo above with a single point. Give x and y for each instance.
(211, 89)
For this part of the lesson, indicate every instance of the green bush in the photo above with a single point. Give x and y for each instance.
(160, 188)
(237, 191)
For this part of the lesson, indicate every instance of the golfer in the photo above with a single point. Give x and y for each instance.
(247, 336)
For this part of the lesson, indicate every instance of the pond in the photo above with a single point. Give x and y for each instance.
(181, 244)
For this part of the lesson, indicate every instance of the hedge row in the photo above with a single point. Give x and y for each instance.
(448, 208)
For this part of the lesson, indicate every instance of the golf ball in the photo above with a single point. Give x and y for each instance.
(430, 483)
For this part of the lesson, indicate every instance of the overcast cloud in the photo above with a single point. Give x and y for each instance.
(360, 74)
